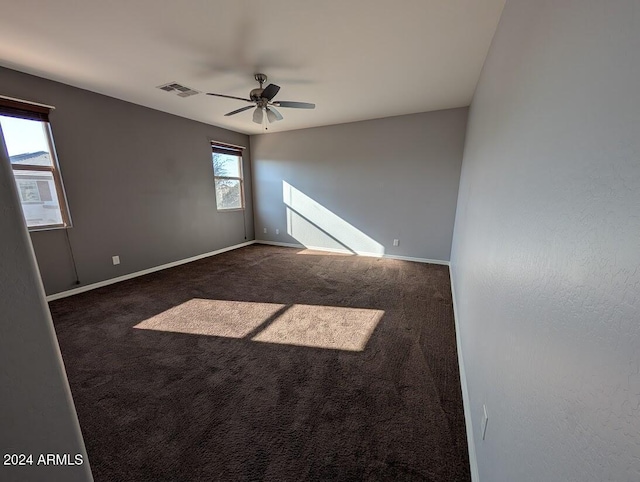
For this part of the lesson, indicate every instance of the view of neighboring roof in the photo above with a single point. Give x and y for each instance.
(40, 158)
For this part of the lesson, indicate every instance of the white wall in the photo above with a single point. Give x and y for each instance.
(37, 415)
(546, 251)
(359, 186)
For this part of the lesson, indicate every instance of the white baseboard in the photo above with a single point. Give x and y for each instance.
(100, 284)
(359, 253)
(417, 260)
(278, 243)
(473, 460)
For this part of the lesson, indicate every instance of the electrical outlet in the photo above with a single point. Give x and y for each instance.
(277, 231)
(264, 230)
(485, 419)
(115, 259)
(396, 242)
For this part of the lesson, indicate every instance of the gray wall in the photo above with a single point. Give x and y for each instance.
(359, 186)
(139, 184)
(546, 252)
(37, 415)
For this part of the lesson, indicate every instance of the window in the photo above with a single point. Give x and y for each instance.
(227, 172)
(27, 135)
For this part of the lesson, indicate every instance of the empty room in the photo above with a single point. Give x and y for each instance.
(289, 241)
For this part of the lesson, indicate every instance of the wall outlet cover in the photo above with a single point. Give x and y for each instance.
(115, 259)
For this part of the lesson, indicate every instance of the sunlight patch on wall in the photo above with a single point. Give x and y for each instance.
(310, 236)
(313, 225)
(316, 326)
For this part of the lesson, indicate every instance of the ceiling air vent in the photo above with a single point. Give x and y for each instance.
(179, 89)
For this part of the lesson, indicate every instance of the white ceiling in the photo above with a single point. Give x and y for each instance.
(356, 59)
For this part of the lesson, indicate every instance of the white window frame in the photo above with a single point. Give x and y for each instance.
(232, 151)
(54, 168)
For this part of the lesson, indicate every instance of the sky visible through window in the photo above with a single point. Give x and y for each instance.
(23, 136)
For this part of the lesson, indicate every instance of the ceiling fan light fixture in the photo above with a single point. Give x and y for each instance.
(258, 115)
(271, 116)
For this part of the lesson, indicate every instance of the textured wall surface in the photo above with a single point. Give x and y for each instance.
(37, 415)
(359, 186)
(139, 184)
(546, 252)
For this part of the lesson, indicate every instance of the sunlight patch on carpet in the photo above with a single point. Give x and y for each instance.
(316, 326)
(229, 319)
(329, 327)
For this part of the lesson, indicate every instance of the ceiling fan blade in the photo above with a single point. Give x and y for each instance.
(273, 115)
(230, 97)
(270, 91)
(237, 111)
(258, 115)
(294, 105)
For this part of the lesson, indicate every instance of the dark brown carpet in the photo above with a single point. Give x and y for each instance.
(266, 364)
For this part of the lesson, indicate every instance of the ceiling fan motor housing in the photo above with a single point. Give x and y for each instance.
(256, 94)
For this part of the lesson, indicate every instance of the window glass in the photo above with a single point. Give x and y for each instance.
(228, 178)
(228, 194)
(226, 165)
(35, 171)
(39, 198)
(25, 138)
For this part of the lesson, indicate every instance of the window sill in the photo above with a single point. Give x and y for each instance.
(51, 227)
(230, 210)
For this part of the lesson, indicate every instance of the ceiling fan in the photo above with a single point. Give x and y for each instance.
(263, 100)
